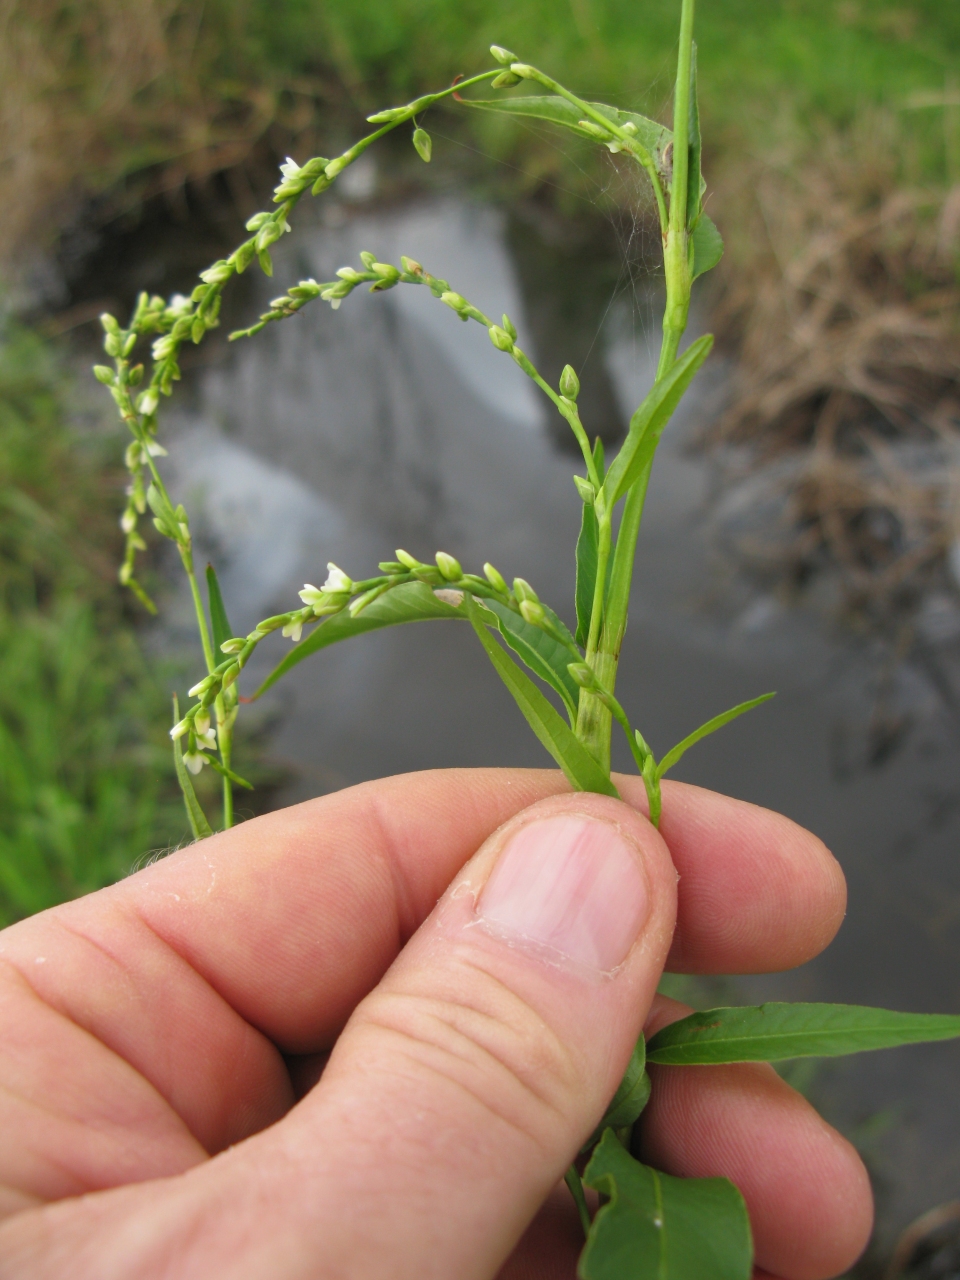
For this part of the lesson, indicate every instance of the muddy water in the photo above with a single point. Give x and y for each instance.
(342, 436)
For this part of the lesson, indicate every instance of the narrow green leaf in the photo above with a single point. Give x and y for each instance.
(412, 602)
(633, 1094)
(707, 246)
(647, 424)
(587, 545)
(772, 1032)
(545, 656)
(660, 1228)
(197, 818)
(674, 754)
(570, 754)
(228, 773)
(556, 110)
(219, 622)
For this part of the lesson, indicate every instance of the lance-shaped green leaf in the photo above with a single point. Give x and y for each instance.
(546, 722)
(707, 246)
(660, 1228)
(545, 656)
(553, 109)
(773, 1032)
(197, 818)
(674, 754)
(647, 424)
(219, 623)
(633, 1094)
(228, 773)
(411, 602)
(587, 547)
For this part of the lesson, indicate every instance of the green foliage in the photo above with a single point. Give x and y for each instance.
(197, 818)
(711, 726)
(773, 1032)
(84, 780)
(655, 1227)
(627, 1104)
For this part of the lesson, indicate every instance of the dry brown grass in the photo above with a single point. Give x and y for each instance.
(842, 441)
(123, 97)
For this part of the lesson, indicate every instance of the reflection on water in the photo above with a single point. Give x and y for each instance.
(342, 436)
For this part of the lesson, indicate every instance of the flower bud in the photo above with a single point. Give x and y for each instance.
(201, 723)
(449, 567)
(257, 221)
(454, 301)
(423, 143)
(582, 674)
(128, 521)
(201, 687)
(387, 272)
(368, 259)
(407, 560)
(523, 590)
(234, 645)
(505, 80)
(495, 578)
(569, 383)
(532, 612)
(103, 373)
(229, 677)
(350, 274)
(510, 327)
(411, 266)
(135, 377)
(293, 629)
(585, 490)
(501, 55)
(386, 117)
(500, 338)
(179, 729)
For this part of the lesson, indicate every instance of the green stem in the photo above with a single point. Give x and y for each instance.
(572, 1179)
(187, 557)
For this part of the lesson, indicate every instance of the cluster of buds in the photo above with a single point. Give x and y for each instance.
(200, 735)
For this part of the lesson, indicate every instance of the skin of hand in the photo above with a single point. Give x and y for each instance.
(468, 957)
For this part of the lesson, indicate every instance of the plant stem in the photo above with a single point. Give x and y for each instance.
(594, 720)
(572, 1179)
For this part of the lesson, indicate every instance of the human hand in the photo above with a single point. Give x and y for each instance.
(180, 1014)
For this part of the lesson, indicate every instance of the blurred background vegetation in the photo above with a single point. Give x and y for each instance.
(831, 123)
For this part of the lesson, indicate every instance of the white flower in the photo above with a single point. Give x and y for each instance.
(156, 450)
(311, 595)
(337, 580)
(207, 741)
(179, 304)
(290, 169)
(194, 760)
(128, 521)
(201, 723)
(200, 687)
(179, 729)
(294, 629)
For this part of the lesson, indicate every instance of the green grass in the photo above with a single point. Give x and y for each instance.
(85, 776)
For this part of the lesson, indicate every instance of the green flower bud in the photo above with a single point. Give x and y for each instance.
(532, 612)
(368, 259)
(406, 559)
(103, 373)
(257, 221)
(505, 80)
(569, 383)
(500, 338)
(523, 590)
(501, 55)
(135, 376)
(388, 273)
(449, 567)
(110, 325)
(233, 645)
(385, 117)
(495, 578)
(510, 327)
(112, 345)
(582, 674)
(423, 143)
(411, 266)
(585, 490)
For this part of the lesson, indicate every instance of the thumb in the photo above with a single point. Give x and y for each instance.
(466, 1082)
(457, 1095)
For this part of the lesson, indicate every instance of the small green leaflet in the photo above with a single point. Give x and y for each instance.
(586, 570)
(571, 755)
(198, 819)
(556, 110)
(674, 754)
(219, 623)
(546, 657)
(656, 1227)
(633, 1094)
(773, 1032)
(412, 602)
(648, 422)
(707, 246)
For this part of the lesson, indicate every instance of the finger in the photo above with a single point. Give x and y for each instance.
(461, 1088)
(757, 893)
(267, 936)
(806, 1189)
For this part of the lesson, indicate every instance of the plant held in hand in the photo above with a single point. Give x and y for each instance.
(649, 1224)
